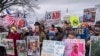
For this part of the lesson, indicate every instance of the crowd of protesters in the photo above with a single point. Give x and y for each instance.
(52, 33)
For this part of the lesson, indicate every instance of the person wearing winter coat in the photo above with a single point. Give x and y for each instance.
(13, 34)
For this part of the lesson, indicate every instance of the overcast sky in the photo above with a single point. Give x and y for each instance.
(75, 7)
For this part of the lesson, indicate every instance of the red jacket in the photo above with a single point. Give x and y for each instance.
(15, 36)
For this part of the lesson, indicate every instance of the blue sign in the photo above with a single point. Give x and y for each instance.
(81, 32)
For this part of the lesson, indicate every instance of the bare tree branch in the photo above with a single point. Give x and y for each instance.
(5, 2)
(23, 3)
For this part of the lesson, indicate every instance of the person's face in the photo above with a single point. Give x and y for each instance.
(65, 26)
(37, 28)
(33, 46)
(89, 12)
(12, 30)
(56, 30)
(30, 28)
(30, 44)
(71, 36)
(75, 48)
(46, 30)
(23, 30)
(21, 48)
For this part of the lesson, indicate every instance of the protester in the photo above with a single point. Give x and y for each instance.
(30, 31)
(24, 33)
(66, 28)
(53, 33)
(71, 35)
(92, 32)
(40, 33)
(15, 36)
(46, 31)
(52, 28)
(59, 35)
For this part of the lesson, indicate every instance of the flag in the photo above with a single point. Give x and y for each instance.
(17, 15)
(24, 16)
(18, 18)
(8, 12)
(25, 20)
(48, 15)
(10, 19)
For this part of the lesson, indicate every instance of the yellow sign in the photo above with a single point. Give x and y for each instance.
(74, 20)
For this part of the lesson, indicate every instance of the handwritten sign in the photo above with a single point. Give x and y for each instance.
(54, 48)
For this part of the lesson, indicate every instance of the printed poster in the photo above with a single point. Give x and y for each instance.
(95, 46)
(53, 17)
(9, 45)
(33, 46)
(21, 48)
(52, 48)
(97, 12)
(74, 47)
(89, 15)
(75, 21)
(3, 36)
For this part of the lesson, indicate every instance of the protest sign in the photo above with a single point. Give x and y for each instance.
(54, 48)
(95, 46)
(97, 12)
(74, 20)
(89, 15)
(81, 32)
(21, 23)
(53, 17)
(33, 46)
(21, 48)
(3, 36)
(9, 45)
(74, 47)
